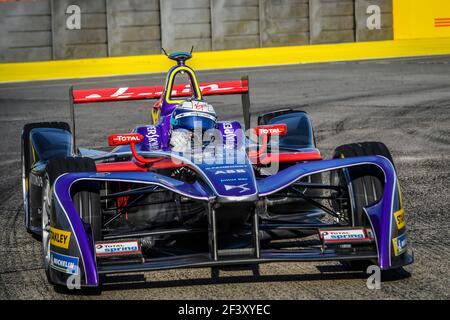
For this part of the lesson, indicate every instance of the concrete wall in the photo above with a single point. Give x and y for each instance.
(366, 12)
(235, 24)
(332, 21)
(284, 22)
(134, 27)
(25, 31)
(185, 24)
(38, 30)
(90, 41)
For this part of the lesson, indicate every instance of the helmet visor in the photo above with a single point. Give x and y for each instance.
(191, 120)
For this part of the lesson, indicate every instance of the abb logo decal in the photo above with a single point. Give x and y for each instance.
(127, 138)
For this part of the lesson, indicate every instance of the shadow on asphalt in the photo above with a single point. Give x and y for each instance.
(131, 282)
(139, 281)
(331, 272)
(386, 276)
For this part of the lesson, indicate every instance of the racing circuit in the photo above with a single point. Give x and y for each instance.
(404, 103)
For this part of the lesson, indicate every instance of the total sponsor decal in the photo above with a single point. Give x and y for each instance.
(60, 238)
(105, 249)
(272, 130)
(344, 235)
(400, 218)
(126, 138)
(63, 263)
(400, 244)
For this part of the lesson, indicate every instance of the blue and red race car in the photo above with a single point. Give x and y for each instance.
(191, 191)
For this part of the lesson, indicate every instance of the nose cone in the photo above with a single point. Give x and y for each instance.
(231, 180)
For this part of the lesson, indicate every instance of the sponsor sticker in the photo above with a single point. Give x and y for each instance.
(126, 138)
(230, 171)
(400, 218)
(59, 238)
(197, 105)
(105, 249)
(344, 235)
(272, 130)
(399, 244)
(370, 234)
(152, 137)
(63, 263)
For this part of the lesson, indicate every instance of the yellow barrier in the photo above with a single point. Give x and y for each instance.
(416, 19)
(29, 71)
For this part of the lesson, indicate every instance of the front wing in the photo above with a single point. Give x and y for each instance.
(381, 216)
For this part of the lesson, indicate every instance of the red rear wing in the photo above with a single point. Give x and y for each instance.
(155, 92)
(240, 87)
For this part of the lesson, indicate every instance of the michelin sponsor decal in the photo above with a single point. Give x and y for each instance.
(59, 238)
(400, 244)
(63, 263)
(105, 249)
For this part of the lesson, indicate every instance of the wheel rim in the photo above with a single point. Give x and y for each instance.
(46, 207)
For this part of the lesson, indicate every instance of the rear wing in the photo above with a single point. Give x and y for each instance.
(155, 92)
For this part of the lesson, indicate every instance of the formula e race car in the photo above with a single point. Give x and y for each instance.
(224, 197)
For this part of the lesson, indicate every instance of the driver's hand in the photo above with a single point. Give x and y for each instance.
(180, 140)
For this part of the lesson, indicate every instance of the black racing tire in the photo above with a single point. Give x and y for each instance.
(366, 183)
(86, 197)
(26, 161)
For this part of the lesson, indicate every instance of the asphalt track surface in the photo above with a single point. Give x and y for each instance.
(402, 102)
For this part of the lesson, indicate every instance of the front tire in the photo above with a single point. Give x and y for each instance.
(85, 195)
(364, 186)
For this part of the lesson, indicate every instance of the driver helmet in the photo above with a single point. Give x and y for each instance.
(193, 114)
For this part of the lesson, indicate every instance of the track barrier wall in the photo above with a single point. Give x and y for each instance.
(117, 37)
(74, 29)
